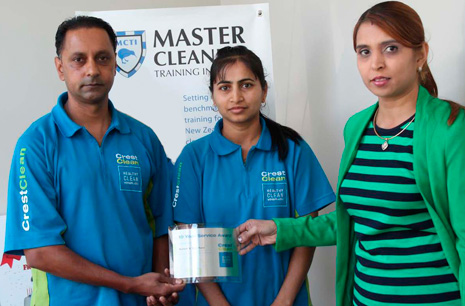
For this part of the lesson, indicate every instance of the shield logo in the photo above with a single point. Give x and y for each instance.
(130, 52)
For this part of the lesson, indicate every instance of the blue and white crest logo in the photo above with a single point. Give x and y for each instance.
(130, 52)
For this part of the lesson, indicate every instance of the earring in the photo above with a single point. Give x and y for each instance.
(420, 69)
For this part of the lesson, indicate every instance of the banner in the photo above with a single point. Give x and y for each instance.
(164, 57)
(15, 276)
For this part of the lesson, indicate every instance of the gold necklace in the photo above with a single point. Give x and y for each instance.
(385, 144)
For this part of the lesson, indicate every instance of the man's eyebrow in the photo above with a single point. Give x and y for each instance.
(78, 53)
(104, 52)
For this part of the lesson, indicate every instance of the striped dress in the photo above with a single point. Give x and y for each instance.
(399, 258)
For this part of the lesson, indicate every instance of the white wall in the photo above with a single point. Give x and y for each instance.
(317, 83)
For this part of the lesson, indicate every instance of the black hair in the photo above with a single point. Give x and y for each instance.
(228, 56)
(79, 22)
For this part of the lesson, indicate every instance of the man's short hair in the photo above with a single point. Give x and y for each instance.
(79, 22)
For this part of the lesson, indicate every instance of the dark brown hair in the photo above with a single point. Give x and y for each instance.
(402, 23)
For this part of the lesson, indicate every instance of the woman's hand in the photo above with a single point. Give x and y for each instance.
(255, 232)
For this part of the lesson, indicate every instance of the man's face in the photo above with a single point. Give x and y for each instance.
(87, 65)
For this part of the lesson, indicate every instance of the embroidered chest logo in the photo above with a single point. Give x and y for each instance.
(130, 174)
(274, 188)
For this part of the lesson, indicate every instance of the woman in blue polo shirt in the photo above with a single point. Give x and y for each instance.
(250, 167)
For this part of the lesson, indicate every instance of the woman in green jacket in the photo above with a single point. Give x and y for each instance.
(401, 198)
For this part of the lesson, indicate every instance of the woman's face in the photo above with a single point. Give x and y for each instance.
(388, 69)
(238, 95)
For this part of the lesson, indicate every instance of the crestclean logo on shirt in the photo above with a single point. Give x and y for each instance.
(273, 176)
(123, 159)
(23, 189)
(274, 188)
(178, 182)
(130, 172)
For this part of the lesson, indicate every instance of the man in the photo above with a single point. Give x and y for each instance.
(87, 186)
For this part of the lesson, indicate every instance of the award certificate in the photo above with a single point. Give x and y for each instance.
(204, 254)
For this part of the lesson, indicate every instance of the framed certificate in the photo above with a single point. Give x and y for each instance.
(204, 254)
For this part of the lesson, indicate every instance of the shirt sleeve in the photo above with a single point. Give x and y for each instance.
(312, 190)
(306, 231)
(455, 160)
(159, 197)
(32, 217)
(187, 188)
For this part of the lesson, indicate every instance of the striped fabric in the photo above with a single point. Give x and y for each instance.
(399, 256)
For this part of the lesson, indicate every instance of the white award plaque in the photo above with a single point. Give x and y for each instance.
(204, 254)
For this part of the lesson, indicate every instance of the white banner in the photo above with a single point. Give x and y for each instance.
(164, 57)
(15, 276)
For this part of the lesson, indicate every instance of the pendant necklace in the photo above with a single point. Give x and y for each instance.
(385, 144)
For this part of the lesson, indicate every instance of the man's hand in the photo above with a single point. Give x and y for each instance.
(172, 300)
(156, 284)
(163, 300)
(255, 232)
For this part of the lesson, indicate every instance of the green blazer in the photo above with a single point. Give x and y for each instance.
(439, 170)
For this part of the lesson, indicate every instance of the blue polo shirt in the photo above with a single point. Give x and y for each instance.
(213, 185)
(187, 297)
(100, 201)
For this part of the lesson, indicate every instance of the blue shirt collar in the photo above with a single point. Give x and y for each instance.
(68, 127)
(223, 146)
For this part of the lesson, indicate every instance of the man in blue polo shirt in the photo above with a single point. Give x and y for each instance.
(88, 197)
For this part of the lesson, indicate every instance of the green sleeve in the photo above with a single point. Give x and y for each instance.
(455, 161)
(305, 231)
